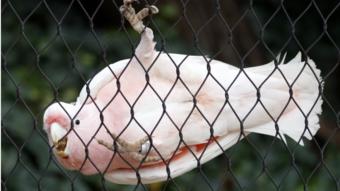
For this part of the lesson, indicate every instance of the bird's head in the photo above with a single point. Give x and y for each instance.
(73, 131)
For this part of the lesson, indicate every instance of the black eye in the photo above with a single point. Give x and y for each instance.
(77, 122)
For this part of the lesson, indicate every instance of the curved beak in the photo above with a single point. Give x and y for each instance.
(59, 139)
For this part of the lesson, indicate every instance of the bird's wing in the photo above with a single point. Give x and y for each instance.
(256, 99)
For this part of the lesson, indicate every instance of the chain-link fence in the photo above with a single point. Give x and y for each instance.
(50, 49)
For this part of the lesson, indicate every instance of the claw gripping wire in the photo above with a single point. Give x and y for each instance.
(136, 19)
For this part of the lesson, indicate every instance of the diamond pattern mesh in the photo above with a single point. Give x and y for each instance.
(51, 48)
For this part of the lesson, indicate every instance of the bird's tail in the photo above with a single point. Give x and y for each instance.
(300, 117)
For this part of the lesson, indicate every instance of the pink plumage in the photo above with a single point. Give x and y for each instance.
(192, 101)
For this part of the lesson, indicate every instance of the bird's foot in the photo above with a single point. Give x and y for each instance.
(137, 150)
(136, 19)
(144, 158)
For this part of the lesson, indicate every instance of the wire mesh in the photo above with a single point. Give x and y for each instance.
(50, 49)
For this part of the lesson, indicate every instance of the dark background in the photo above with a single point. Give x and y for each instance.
(50, 48)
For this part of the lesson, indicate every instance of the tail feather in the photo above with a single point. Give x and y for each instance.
(301, 117)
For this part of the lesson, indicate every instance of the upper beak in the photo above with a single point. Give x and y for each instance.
(59, 140)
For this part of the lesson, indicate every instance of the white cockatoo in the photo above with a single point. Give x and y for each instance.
(159, 110)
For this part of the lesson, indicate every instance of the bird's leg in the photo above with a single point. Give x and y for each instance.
(145, 52)
(136, 19)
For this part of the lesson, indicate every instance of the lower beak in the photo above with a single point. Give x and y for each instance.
(59, 139)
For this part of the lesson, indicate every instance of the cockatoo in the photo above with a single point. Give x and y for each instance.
(155, 115)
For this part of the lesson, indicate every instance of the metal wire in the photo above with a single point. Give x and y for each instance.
(39, 170)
